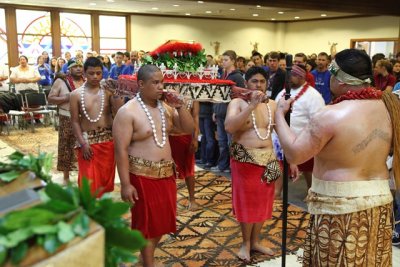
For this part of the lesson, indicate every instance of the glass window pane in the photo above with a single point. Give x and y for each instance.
(118, 31)
(75, 25)
(3, 38)
(72, 44)
(112, 45)
(33, 22)
(33, 45)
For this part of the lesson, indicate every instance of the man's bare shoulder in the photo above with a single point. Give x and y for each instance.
(76, 92)
(237, 102)
(129, 110)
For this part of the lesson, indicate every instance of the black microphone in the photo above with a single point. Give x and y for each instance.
(289, 64)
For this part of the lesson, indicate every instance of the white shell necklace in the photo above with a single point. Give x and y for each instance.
(153, 126)
(268, 127)
(84, 108)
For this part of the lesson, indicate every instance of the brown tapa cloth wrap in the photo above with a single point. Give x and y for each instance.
(151, 169)
(260, 157)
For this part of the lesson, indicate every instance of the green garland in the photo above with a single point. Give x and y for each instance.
(185, 63)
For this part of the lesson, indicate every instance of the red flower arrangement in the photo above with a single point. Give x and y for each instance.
(179, 47)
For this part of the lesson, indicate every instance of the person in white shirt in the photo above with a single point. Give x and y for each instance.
(4, 78)
(25, 77)
(307, 102)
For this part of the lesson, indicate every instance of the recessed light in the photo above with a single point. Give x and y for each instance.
(110, 1)
(175, 5)
(323, 15)
(281, 12)
(200, 2)
(7, 2)
(232, 9)
(255, 15)
(273, 19)
(92, 4)
(154, 8)
(296, 17)
(135, 10)
(258, 6)
(187, 14)
(208, 12)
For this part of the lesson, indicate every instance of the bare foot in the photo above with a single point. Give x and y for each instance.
(244, 254)
(193, 206)
(264, 250)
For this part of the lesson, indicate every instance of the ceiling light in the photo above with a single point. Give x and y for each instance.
(208, 12)
(323, 15)
(281, 12)
(154, 8)
(255, 15)
(258, 6)
(232, 9)
(200, 2)
(135, 10)
(110, 1)
(187, 14)
(273, 19)
(92, 4)
(175, 5)
(296, 17)
(7, 1)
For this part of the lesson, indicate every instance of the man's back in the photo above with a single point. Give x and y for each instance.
(359, 140)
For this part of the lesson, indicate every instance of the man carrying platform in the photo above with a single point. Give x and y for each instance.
(91, 108)
(254, 167)
(144, 161)
(349, 200)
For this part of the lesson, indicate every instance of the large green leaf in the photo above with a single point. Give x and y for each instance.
(55, 191)
(58, 206)
(18, 253)
(28, 217)
(45, 229)
(10, 175)
(109, 211)
(80, 225)
(20, 235)
(3, 254)
(17, 155)
(65, 232)
(125, 238)
(51, 243)
(87, 199)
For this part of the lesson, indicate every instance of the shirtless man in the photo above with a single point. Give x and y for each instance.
(144, 161)
(59, 95)
(349, 200)
(254, 167)
(91, 110)
(183, 148)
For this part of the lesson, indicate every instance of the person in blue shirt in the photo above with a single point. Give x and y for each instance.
(105, 70)
(44, 71)
(118, 68)
(322, 77)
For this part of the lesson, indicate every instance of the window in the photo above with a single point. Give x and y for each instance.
(112, 39)
(34, 33)
(3, 38)
(76, 33)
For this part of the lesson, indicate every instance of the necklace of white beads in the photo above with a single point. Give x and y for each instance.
(84, 108)
(253, 117)
(153, 126)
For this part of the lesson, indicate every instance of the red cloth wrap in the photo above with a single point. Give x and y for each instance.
(251, 198)
(100, 170)
(307, 166)
(154, 214)
(182, 154)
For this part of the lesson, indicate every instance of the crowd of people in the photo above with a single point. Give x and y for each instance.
(334, 143)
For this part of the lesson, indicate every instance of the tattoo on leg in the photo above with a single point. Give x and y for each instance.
(377, 133)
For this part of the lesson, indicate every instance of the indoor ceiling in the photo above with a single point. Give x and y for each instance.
(240, 10)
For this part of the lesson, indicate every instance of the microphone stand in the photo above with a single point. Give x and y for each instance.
(289, 59)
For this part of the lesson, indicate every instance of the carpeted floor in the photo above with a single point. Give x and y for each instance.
(207, 237)
(211, 236)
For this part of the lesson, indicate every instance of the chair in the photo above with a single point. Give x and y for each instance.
(5, 120)
(20, 113)
(36, 103)
(52, 107)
